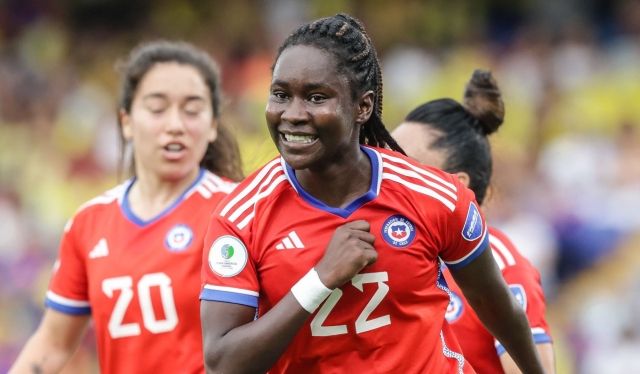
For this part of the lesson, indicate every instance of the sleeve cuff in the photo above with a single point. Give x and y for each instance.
(471, 255)
(229, 295)
(539, 337)
(66, 305)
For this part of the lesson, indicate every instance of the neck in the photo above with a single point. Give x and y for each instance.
(338, 182)
(150, 195)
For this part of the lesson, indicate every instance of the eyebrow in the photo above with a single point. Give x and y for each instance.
(309, 86)
(158, 95)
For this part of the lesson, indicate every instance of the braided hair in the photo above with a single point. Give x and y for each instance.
(345, 37)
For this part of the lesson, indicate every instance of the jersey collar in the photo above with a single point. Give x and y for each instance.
(126, 208)
(374, 189)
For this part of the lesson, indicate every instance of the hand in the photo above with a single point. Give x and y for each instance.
(349, 251)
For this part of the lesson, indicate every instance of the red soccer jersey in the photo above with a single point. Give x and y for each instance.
(270, 232)
(479, 346)
(138, 279)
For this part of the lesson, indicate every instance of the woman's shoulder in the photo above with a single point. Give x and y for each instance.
(419, 182)
(259, 185)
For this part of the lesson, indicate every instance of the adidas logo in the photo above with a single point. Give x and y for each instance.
(100, 250)
(290, 242)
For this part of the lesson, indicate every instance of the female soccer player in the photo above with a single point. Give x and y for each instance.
(453, 137)
(358, 227)
(131, 257)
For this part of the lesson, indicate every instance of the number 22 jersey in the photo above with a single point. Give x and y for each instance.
(138, 279)
(390, 318)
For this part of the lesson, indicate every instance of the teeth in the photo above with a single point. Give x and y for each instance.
(174, 147)
(299, 138)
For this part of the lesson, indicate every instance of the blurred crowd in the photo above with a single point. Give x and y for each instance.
(566, 185)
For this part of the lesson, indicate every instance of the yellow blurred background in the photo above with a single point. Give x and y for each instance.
(566, 186)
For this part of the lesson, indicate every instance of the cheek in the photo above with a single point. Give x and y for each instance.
(272, 114)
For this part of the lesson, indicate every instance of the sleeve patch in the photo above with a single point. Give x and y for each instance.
(472, 229)
(520, 294)
(227, 256)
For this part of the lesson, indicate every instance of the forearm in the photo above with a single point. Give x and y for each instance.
(506, 320)
(545, 351)
(256, 346)
(41, 356)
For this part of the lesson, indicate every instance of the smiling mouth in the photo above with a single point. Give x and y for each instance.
(300, 139)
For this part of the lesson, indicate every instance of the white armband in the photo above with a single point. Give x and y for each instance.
(310, 291)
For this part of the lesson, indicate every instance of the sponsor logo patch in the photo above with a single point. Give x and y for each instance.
(521, 296)
(455, 308)
(227, 256)
(398, 231)
(178, 238)
(472, 229)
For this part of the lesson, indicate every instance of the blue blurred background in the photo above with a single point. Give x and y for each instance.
(567, 182)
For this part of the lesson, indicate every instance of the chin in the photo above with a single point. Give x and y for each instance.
(175, 173)
(298, 161)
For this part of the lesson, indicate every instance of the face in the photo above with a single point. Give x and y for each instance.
(311, 114)
(416, 140)
(170, 122)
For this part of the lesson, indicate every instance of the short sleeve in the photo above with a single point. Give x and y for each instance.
(464, 230)
(68, 289)
(228, 270)
(524, 283)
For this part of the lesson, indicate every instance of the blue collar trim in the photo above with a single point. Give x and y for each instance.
(355, 204)
(126, 208)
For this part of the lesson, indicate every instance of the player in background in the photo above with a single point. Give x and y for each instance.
(453, 137)
(130, 258)
(339, 218)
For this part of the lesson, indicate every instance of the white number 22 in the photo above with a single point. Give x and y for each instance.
(125, 284)
(362, 324)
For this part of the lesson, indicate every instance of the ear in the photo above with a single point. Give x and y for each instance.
(213, 131)
(464, 178)
(125, 122)
(365, 107)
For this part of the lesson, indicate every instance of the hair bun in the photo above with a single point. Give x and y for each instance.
(483, 100)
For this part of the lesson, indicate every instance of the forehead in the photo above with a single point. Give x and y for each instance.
(173, 79)
(308, 64)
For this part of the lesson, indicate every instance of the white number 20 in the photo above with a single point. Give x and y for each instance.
(125, 284)
(362, 324)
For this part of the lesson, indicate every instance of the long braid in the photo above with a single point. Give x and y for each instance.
(346, 38)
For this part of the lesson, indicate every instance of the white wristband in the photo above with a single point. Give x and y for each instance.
(310, 291)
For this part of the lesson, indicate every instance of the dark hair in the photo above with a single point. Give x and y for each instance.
(222, 156)
(345, 38)
(465, 128)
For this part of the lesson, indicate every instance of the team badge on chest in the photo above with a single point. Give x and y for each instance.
(179, 238)
(398, 231)
(455, 308)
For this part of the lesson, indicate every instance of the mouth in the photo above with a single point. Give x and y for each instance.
(174, 147)
(298, 139)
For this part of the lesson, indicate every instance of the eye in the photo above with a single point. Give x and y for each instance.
(193, 110)
(316, 98)
(156, 110)
(281, 96)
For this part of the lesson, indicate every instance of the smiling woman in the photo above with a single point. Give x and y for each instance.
(338, 241)
(130, 258)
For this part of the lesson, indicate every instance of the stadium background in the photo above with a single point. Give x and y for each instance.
(567, 180)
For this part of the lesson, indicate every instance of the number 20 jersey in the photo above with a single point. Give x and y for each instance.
(138, 280)
(390, 318)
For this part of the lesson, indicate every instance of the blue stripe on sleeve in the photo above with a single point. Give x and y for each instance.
(66, 309)
(481, 247)
(229, 297)
(537, 338)
(542, 338)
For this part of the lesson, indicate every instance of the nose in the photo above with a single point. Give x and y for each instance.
(175, 123)
(295, 112)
